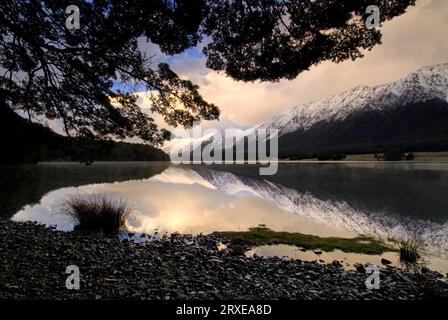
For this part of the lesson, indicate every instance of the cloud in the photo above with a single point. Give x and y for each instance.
(413, 40)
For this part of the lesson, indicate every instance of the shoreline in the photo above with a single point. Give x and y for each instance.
(181, 267)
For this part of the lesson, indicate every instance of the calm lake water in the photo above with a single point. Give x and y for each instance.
(385, 200)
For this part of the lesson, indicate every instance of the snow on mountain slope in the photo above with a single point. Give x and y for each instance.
(426, 83)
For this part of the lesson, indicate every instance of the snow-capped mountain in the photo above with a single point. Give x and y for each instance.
(409, 114)
(425, 84)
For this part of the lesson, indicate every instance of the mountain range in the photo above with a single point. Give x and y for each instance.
(411, 114)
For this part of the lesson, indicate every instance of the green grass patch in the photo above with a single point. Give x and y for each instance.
(261, 235)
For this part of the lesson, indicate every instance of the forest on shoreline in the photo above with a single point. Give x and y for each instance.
(23, 142)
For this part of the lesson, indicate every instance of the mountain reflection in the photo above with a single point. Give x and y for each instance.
(325, 200)
(349, 213)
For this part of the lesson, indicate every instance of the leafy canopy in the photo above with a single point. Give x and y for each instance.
(70, 75)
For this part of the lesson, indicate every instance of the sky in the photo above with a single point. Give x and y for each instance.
(416, 39)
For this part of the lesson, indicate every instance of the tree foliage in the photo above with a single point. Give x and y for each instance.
(49, 71)
(273, 39)
(394, 155)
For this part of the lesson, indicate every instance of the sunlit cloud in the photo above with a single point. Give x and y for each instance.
(413, 40)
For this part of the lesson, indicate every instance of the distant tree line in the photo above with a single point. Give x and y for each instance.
(25, 142)
(323, 156)
(395, 155)
(388, 155)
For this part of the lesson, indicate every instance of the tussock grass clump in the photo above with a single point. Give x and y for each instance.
(98, 212)
(410, 254)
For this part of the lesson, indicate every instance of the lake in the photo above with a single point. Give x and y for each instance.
(344, 199)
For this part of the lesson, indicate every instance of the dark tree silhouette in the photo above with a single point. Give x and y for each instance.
(58, 73)
(273, 39)
(50, 71)
(394, 155)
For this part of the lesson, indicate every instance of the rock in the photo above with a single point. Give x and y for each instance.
(360, 268)
(385, 262)
(122, 292)
(318, 252)
(425, 270)
(336, 263)
(238, 250)
(404, 278)
(180, 267)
